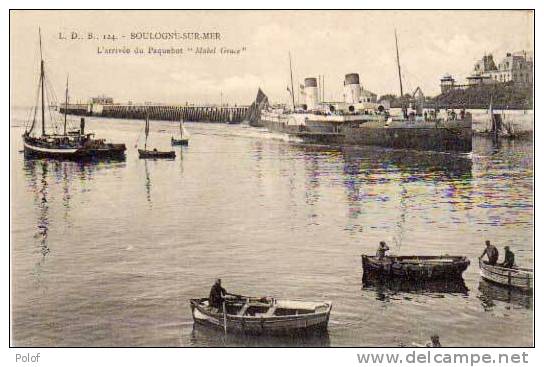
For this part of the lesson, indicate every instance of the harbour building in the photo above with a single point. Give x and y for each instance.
(514, 68)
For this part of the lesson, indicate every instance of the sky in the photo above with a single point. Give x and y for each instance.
(328, 43)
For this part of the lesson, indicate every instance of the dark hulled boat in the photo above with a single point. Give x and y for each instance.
(68, 145)
(415, 267)
(155, 154)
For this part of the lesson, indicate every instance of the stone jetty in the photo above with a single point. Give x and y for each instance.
(224, 114)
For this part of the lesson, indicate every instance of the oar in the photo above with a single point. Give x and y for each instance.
(225, 317)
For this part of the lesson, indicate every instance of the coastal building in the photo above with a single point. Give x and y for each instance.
(102, 100)
(514, 67)
(447, 82)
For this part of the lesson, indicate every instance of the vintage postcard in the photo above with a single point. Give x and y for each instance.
(280, 178)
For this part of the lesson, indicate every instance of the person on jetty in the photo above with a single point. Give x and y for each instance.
(217, 294)
(491, 252)
(382, 250)
(509, 258)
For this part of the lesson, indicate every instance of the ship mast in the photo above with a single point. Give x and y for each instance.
(398, 66)
(291, 70)
(146, 127)
(42, 77)
(66, 105)
(322, 88)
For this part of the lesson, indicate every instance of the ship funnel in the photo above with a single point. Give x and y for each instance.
(310, 93)
(352, 88)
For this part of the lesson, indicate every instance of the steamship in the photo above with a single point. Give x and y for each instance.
(75, 144)
(361, 120)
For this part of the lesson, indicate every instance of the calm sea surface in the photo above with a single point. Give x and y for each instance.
(109, 254)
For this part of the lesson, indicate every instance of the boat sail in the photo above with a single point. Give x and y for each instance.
(67, 145)
(183, 136)
(152, 154)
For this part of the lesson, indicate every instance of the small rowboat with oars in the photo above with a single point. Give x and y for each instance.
(263, 316)
(415, 267)
(520, 278)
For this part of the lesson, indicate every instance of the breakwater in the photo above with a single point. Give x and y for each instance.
(227, 114)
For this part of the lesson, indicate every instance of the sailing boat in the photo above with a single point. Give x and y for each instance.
(68, 145)
(152, 154)
(182, 132)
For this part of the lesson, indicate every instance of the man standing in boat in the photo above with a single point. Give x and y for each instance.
(382, 250)
(491, 252)
(217, 294)
(509, 258)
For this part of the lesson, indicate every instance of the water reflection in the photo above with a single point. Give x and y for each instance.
(38, 181)
(147, 183)
(312, 170)
(492, 295)
(42, 175)
(202, 335)
(413, 164)
(390, 288)
(370, 175)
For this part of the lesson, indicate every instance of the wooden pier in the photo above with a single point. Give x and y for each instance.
(220, 114)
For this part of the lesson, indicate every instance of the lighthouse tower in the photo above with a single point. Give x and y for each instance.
(310, 93)
(352, 88)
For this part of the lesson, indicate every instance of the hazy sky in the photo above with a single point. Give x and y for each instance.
(331, 43)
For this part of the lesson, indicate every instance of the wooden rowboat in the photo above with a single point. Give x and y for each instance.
(155, 154)
(263, 316)
(415, 267)
(519, 278)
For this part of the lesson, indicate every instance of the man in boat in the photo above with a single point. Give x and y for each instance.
(381, 251)
(509, 258)
(435, 342)
(217, 294)
(491, 252)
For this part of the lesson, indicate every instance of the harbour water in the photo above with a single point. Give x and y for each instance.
(109, 254)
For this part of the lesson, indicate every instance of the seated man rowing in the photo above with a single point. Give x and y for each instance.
(509, 258)
(218, 295)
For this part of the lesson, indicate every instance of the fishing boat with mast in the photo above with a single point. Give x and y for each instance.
(74, 144)
(153, 154)
(183, 136)
(363, 120)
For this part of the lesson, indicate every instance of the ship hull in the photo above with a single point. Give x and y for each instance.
(454, 137)
(436, 139)
(113, 151)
